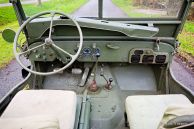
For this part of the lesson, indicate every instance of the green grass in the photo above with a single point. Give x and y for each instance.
(8, 20)
(189, 26)
(187, 39)
(6, 49)
(7, 15)
(66, 6)
(4, 1)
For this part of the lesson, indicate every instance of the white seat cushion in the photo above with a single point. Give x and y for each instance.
(57, 103)
(146, 111)
(32, 122)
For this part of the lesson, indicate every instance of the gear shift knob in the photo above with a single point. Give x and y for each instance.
(98, 55)
(110, 80)
(109, 84)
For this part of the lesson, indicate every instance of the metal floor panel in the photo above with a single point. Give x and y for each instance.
(65, 81)
(135, 77)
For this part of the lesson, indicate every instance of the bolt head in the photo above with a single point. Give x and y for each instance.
(110, 80)
(48, 41)
(97, 55)
(38, 56)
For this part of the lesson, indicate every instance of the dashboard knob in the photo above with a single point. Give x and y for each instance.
(97, 55)
(110, 80)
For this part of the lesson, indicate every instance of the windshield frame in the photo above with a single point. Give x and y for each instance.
(179, 21)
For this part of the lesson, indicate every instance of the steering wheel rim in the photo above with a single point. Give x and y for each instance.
(47, 40)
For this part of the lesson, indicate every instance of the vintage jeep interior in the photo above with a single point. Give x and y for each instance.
(96, 72)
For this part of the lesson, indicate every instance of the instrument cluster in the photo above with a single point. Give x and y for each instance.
(147, 56)
(90, 52)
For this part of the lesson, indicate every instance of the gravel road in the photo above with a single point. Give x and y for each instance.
(183, 73)
(90, 9)
(11, 75)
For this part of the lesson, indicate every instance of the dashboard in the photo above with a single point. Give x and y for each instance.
(110, 51)
(126, 51)
(109, 41)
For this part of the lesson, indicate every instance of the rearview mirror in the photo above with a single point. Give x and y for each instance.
(8, 35)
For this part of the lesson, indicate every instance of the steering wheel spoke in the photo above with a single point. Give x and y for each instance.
(67, 53)
(51, 24)
(31, 49)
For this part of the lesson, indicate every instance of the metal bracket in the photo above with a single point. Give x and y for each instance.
(176, 45)
(157, 45)
(150, 24)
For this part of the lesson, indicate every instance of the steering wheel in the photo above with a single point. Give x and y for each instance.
(48, 42)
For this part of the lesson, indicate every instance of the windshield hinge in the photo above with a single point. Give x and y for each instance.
(176, 46)
(157, 45)
(150, 24)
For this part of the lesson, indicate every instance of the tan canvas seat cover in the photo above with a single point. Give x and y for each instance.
(31, 122)
(146, 111)
(57, 103)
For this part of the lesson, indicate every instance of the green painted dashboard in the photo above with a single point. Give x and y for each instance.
(114, 41)
(110, 51)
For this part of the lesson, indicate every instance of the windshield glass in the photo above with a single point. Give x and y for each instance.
(142, 8)
(110, 8)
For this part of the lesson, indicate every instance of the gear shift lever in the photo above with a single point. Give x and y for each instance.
(109, 81)
(93, 87)
(109, 84)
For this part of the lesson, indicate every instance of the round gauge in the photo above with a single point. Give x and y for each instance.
(97, 51)
(87, 51)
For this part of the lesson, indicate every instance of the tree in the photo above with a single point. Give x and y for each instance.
(191, 13)
(173, 7)
(138, 2)
(146, 3)
(39, 3)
